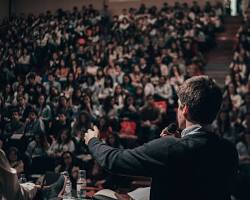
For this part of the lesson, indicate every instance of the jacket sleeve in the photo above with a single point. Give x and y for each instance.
(145, 160)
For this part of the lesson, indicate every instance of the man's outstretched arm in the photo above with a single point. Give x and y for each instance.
(145, 160)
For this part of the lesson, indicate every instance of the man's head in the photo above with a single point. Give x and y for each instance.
(199, 101)
(32, 115)
(62, 117)
(21, 100)
(150, 100)
(32, 78)
(15, 115)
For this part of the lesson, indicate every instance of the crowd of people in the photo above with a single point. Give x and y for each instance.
(62, 72)
(233, 121)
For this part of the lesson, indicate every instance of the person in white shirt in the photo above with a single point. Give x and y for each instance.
(164, 90)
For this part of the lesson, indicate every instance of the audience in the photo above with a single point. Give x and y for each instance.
(63, 72)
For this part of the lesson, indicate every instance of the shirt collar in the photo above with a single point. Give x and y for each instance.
(190, 130)
(196, 128)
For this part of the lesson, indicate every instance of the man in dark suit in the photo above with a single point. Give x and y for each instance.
(198, 166)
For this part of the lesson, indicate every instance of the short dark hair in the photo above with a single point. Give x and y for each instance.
(203, 97)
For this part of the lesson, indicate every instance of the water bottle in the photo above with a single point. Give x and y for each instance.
(68, 188)
(81, 184)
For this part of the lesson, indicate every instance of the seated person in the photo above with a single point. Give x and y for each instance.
(150, 120)
(38, 147)
(15, 126)
(33, 124)
(12, 190)
(15, 160)
(70, 164)
(61, 122)
(62, 144)
(243, 148)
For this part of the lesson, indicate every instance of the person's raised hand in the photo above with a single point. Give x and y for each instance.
(91, 133)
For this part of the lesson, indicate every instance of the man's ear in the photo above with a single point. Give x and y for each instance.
(185, 111)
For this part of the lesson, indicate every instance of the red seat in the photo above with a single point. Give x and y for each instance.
(128, 129)
(162, 105)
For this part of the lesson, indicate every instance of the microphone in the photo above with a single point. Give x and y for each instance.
(171, 129)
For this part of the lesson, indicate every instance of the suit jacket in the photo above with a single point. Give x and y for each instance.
(198, 166)
(10, 189)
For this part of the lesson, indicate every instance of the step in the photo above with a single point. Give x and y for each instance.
(218, 77)
(221, 56)
(232, 19)
(217, 66)
(219, 61)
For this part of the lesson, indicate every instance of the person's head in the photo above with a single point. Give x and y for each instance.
(62, 117)
(20, 89)
(108, 82)
(200, 100)
(99, 73)
(86, 99)
(8, 89)
(108, 104)
(65, 136)
(51, 77)
(143, 61)
(41, 139)
(41, 100)
(62, 63)
(126, 79)
(21, 100)
(63, 101)
(32, 115)
(15, 115)
(103, 123)
(129, 100)
(145, 80)
(162, 80)
(84, 118)
(139, 91)
(156, 70)
(32, 78)
(158, 60)
(227, 103)
(70, 77)
(39, 88)
(67, 158)
(136, 69)
(53, 91)
(118, 90)
(113, 140)
(150, 100)
(13, 154)
(231, 89)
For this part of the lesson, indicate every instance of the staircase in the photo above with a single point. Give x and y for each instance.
(219, 58)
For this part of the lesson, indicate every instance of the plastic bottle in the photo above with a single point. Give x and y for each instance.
(68, 188)
(81, 184)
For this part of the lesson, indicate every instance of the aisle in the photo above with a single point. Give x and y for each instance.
(220, 57)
